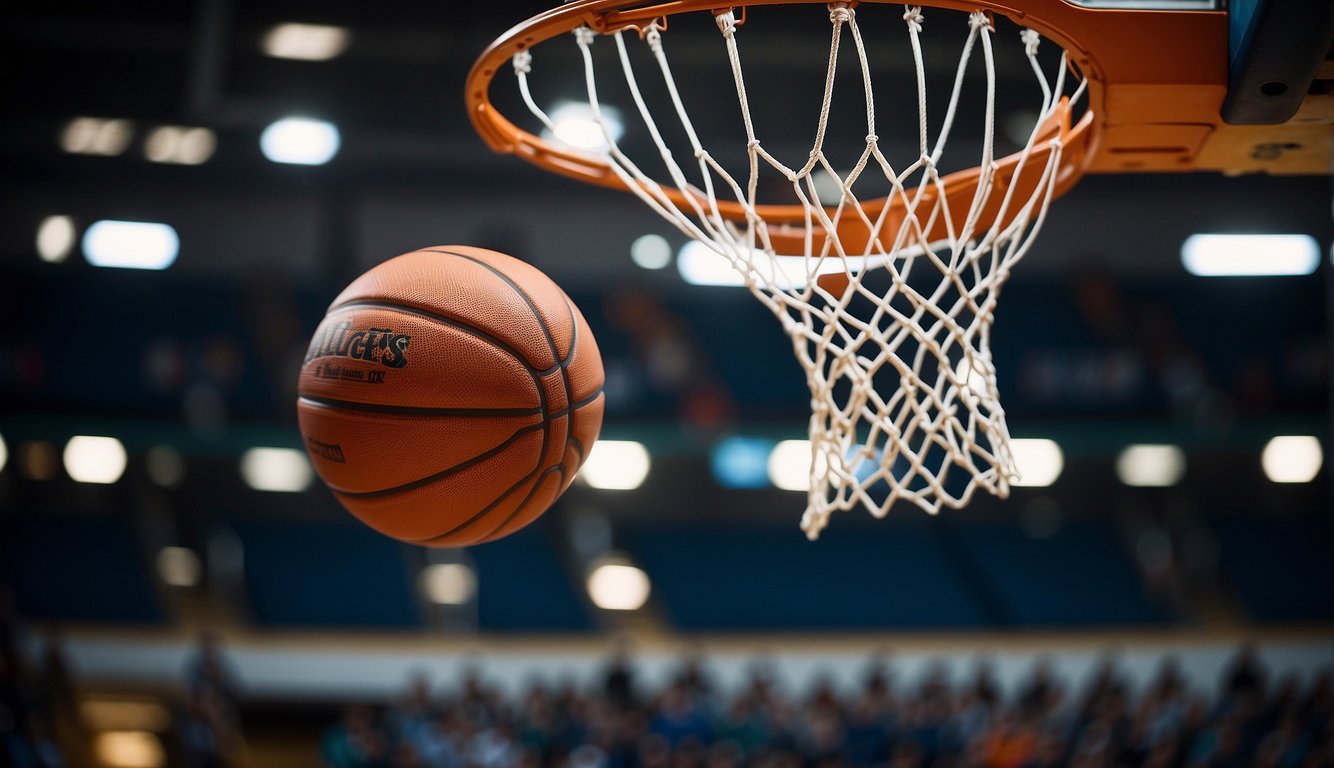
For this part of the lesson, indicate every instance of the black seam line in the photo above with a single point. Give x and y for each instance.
(412, 410)
(532, 307)
(558, 467)
(443, 320)
(483, 514)
(444, 472)
(546, 333)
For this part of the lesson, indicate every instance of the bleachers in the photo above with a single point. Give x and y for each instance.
(77, 568)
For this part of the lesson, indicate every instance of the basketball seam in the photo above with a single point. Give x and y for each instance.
(487, 509)
(413, 410)
(419, 482)
(560, 364)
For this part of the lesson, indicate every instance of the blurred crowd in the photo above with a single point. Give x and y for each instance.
(934, 721)
(690, 723)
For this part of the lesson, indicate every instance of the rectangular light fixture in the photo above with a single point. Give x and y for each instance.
(131, 244)
(305, 42)
(180, 145)
(96, 136)
(1223, 255)
(617, 465)
(1039, 460)
(282, 470)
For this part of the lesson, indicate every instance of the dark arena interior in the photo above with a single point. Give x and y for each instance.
(177, 587)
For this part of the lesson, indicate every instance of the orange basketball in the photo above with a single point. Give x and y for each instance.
(450, 395)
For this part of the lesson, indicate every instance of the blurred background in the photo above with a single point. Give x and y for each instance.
(177, 589)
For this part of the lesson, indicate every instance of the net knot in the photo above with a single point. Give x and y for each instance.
(584, 36)
(523, 62)
(980, 20)
(726, 22)
(871, 138)
(840, 13)
(913, 15)
(1031, 39)
(654, 38)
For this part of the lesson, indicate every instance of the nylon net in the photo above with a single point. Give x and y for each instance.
(889, 302)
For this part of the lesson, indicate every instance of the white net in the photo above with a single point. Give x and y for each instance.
(889, 302)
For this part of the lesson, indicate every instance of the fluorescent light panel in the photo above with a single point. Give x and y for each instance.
(448, 583)
(300, 141)
(305, 42)
(1292, 459)
(651, 252)
(618, 586)
(130, 749)
(131, 244)
(790, 465)
(617, 465)
(96, 136)
(1151, 466)
(55, 238)
(699, 264)
(94, 459)
(1220, 255)
(1039, 461)
(575, 124)
(180, 145)
(281, 470)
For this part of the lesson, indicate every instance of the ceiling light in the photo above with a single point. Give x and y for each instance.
(1151, 466)
(575, 124)
(615, 585)
(699, 264)
(448, 583)
(276, 469)
(790, 465)
(305, 42)
(55, 238)
(300, 141)
(4, 453)
(618, 465)
(1038, 460)
(180, 145)
(130, 749)
(131, 244)
(1292, 459)
(96, 136)
(93, 459)
(651, 251)
(1250, 255)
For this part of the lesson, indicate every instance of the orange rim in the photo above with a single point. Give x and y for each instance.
(1155, 80)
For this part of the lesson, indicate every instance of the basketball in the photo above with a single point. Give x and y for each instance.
(450, 395)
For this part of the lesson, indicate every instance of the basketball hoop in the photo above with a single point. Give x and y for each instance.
(890, 301)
